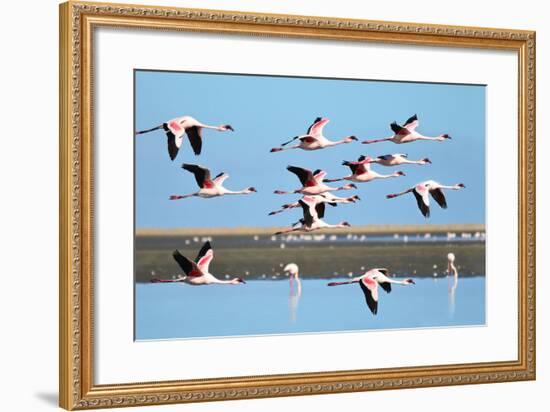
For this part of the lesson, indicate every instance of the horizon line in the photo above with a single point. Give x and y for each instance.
(372, 229)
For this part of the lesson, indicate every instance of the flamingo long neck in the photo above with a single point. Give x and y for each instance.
(237, 192)
(207, 126)
(380, 176)
(337, 142)
(397, 282)
(453, 187)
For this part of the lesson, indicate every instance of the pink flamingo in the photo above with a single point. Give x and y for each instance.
(312, 182)
(176, 128)
(210, 187)
(407, 133)
(197, 272)
(369, 285)
(361, 172)
(313, 213)
(314, 139)
(421, 191)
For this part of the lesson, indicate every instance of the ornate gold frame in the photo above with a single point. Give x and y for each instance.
(76, 387)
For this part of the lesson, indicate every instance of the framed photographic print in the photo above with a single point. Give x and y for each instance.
(259, 205)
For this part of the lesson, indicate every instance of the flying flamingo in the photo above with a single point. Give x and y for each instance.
(175, 129)
(397, 159)
(407, 133)
(313, 213)
(312, 182)
(197, 272)
(361, 172)
(369, 285)
(324, 198)
(421, 191)
(209, 187)
(314, 139)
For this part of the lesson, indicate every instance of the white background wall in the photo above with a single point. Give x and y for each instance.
(28, 204)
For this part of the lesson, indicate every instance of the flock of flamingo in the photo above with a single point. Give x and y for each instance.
(316, 194)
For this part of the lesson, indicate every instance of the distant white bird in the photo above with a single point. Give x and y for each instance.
(421, 191)
(314, 139)
(197, 272)
(407, 133)
(397, 159)
(313, 213)
(369, 285)
(362, 173)
(312, 182)
(327, 197)
(176, 128)
(209, 187)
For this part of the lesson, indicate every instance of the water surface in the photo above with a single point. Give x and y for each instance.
(176, 310)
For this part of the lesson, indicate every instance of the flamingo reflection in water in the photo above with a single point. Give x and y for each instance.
(452, 275)
(295, 291)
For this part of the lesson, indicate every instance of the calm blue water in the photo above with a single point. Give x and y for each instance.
(174, 310)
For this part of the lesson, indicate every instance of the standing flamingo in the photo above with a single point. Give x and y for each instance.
(369, 285)
(312, 182)
(407, 133)
(197, 272)
(294, 293)
(327, 197)
(361, 172)
(314, 139)
(313, 213)
(397, 159)
(451, 270)
(175, 129)
(421, 191)
(209, 187)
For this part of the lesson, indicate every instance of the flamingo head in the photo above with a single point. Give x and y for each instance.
(292, 269)
(354, 198)
(445, 136)
(226, 127)
(346, 224)
(251, 189)
(426, 160)
(236, 281)
(460, 185)
(409, 281)
(400, 173)
(350, 139)
(350, 186)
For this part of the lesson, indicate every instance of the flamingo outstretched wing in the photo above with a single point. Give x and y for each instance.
(202, 175)
(439, 197)
(398, 130)
(316, 129)
(205, 256)
(422, 199)
(188, 266)
(194, 134)
(305, 175)
(369, 286)
(411, 123)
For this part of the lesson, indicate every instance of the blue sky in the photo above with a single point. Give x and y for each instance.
(266, 111)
